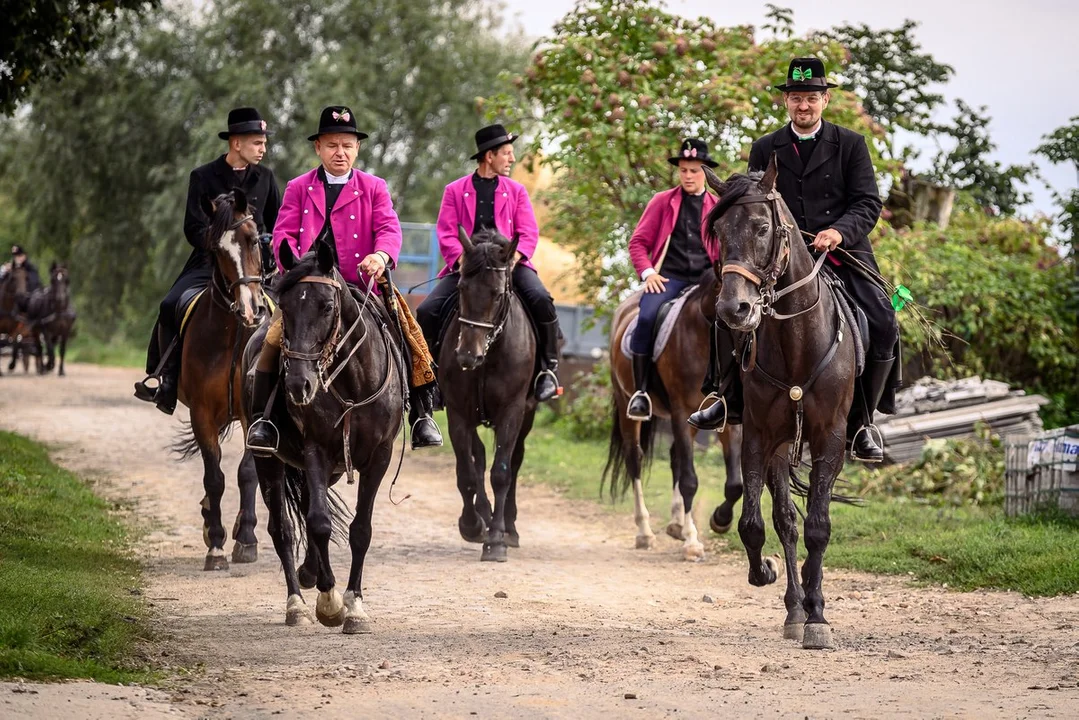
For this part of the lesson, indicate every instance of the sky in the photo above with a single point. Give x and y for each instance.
(1020, 62)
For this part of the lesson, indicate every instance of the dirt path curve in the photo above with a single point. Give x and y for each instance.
(588, 621)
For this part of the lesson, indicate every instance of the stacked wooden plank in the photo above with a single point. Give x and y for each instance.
(950, 409)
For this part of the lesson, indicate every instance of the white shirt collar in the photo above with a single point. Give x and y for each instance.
(332, 179)
(800, 136)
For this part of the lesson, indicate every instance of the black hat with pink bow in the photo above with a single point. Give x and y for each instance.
(337, 119)
(693, 149)
(244, 121)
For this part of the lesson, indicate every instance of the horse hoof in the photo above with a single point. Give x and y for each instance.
(513, 540)
(793, 631)
(356, 626)
(474, 534)
(296, 612)
(646, 542)
(719, 525)
(216, 560)
(817, 636)
(674, 530)
(330, 608)
(774, 563)
(494, 553)
(242, 553)
(693, 553)
(307, 578)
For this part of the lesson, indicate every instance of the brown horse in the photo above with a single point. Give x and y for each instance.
(798, 370)
(12, 320)
(681, 370)
(210, 380)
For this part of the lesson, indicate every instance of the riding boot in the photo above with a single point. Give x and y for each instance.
(860, 428)
(262, 435)
(425, 432)
(169, 382)
(640, 405)
(724, 380)
(547, 386)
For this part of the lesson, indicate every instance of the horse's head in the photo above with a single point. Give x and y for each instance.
(483, 293)
(753, 225)
(59, 280)
(310, 295)
(233, 239)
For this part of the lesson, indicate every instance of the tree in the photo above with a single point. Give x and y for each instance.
(1061, 146)
(43, 39)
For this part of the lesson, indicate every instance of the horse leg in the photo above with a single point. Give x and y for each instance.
(245, 546)
(308, 572)
(470, 524)
(785, 522)
(723, 516)
(359, 539)
(63, 351)
(685, 476)
(678, 503)
(513, 539)
(213, 483)
(751, 524)
(16, 341)
(270, 473)
(506, 434)
(818, 528)
(633, 456)
(479, 470)
(330, 606)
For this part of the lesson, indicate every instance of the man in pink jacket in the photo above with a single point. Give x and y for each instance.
(352, 212)
(488, 199)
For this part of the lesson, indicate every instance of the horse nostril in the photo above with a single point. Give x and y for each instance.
(743, 309)
(306, 389)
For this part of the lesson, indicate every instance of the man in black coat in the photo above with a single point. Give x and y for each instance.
(33, 277)
(826, 178)
(238, 168)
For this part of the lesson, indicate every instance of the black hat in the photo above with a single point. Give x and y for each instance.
(693, 149)
(806, 75)
(491, 137)
(244, 121)
(17, 250)
(337, 119)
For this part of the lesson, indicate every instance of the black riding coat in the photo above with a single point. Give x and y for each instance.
(837, 189)
(216, 178)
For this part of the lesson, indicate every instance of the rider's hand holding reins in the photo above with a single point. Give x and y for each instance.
(827, 240)
(373, 265)
(655, 283)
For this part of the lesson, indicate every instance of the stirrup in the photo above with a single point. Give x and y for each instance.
(648, 399)
(719, 399)
(412, 432)
(145, 392)
(541, 373)
(874, 433)
(263, 448)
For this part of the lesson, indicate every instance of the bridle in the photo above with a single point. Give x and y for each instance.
(224, 296)
(494, 330)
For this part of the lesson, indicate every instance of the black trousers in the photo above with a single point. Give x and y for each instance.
(437, 306)
(194, 278)
(883, 327)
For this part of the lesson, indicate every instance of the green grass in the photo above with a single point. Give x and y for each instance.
(117, 353)
(965, 547)
(70, 588)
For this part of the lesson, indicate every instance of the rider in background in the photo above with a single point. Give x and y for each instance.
(489, 199)
(238, 168)
(19, 260)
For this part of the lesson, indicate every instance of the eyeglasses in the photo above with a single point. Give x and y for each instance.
(813, 99)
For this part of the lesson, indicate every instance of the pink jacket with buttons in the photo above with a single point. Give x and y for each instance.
(363, 220)
(513, 214)
(648, 244)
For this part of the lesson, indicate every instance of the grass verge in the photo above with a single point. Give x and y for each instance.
(118, 353)
(964, 547)
(69, 584)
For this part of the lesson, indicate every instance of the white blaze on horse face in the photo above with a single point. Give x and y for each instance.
(247, 298)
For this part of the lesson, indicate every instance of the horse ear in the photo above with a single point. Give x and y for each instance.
(466, 241)
(207, 206)
(288, 259)
(511, 249)
(324, 254)
(768, 182)
(239, 200)
(718, 186)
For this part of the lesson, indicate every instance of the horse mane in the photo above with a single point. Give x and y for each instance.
(222, 219)
(737, 186)
(486, 244)
(307, 265)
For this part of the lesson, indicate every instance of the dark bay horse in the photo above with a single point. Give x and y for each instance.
(13, 321)
(486, 379)
(210, 378)
(344, 383)
(798, 371)
(53, 316)
(681, 369)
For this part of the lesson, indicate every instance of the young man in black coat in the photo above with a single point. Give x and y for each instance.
(238, 168)
(826, 178)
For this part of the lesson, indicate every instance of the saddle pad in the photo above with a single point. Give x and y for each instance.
(665, 329)
(855, 318)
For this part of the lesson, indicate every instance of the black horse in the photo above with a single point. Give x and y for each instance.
(486, 379)
(798, 369)
(52, 316)
(344, 388)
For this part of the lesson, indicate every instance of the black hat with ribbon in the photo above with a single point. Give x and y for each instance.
(244, 121)
(337, 119)
(491, 137)
(693, 149)
(17, 250)
(806, 75)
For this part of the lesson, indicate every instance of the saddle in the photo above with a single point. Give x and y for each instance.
(186, 307)
(665, 322)
(853, 315)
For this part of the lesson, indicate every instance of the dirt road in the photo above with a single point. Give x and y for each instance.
(589, 624)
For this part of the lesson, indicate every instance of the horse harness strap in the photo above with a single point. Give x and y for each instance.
(495, 331)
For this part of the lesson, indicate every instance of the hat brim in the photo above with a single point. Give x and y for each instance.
(225, 134)
(805, 88)
(706, 160)
(495, 144)
(337, 131)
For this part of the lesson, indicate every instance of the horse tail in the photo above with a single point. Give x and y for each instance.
(800, 488)
(185, 446)
(295, 509)
(620, 479)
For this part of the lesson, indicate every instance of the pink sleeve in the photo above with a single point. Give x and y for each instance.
(287, 227)
(446, 229)
(384, 222)
(524, 223)
(644, 236)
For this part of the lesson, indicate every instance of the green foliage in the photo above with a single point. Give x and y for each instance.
(588, 415)
(42, 40)
(619, 84)
(69, 583)
(950, 472)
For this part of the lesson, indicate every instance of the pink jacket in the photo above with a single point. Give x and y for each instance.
(513, 214)
(363, 220)
(648, 244)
